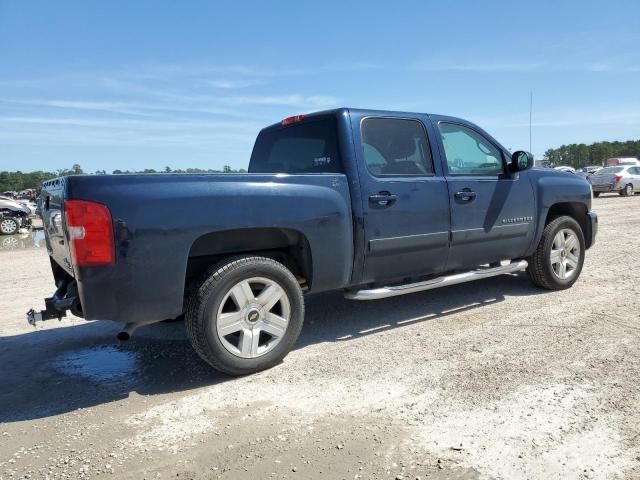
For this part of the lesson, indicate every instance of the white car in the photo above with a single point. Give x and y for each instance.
(566, 169)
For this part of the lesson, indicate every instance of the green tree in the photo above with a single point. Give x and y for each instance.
(579, 155)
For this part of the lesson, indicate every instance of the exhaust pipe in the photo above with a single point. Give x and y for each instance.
(126, 332)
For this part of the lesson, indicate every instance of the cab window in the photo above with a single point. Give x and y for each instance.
(395, 147)
(307, 147)
(468, 152)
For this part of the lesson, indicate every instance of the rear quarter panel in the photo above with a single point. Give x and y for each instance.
(157, 218)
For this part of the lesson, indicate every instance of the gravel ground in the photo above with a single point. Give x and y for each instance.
(493, 379)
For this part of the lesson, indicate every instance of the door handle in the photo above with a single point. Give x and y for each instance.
(383, 199)
(465, 195)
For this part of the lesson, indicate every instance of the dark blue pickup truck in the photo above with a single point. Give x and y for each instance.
(373, 203)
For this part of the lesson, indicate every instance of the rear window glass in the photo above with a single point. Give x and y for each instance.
(308, 147)
(609, 170)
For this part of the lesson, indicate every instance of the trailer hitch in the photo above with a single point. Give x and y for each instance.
(65, 298)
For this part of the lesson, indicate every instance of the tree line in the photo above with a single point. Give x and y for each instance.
(579, 155)
(17, 181)
(575, 155)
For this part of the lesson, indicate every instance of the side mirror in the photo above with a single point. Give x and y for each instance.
(521, 161)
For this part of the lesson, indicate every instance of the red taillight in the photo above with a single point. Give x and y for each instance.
(618, 178)
(90, 232)
(290, 120)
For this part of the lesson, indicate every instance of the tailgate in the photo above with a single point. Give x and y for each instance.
(51, 205)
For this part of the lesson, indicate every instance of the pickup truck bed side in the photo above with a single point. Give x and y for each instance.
(160, 218)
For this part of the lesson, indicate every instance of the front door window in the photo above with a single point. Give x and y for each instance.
(468, 152)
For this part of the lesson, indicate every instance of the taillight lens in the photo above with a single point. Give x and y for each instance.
(90, 230)
(618, 178)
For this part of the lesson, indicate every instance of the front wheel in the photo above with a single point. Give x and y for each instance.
(8, 226)
(557, 261)
(596, 194)
(246, 315)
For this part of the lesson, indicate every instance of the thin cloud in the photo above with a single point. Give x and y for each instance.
(624, 115)
(484, 67)
(231, 84)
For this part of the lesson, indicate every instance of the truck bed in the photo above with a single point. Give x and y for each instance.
(163, 221)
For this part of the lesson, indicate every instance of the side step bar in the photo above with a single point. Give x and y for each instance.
(385, 292)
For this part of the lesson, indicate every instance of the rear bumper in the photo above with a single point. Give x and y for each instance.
(592, 229)
(606, 188)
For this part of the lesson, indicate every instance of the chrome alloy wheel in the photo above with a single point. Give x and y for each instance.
(565, 254)
(8, 226)
(253, 317)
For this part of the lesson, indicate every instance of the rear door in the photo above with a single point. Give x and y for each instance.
(492, 213)
(405, 200)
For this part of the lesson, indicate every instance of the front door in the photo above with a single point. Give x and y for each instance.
(406, 206)
(492, 213)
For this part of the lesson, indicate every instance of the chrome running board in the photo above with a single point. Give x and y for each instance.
(385, 292)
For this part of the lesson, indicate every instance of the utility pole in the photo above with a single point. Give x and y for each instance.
(530, 118)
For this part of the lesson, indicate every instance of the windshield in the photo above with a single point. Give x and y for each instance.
(307, 147)
(609, 170)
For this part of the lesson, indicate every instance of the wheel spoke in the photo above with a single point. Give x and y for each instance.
(242, 294)
(269, 297)
(255, 341)
(559, 240)
(229, 323)
(562, 269)
(571, 243)
(555, 256)
(274, 325)
(572, 260)
(245, 344)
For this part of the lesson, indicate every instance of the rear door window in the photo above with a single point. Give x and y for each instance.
(395, 147)
(307, 147)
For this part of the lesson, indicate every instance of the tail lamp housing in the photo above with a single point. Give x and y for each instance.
(90, 233)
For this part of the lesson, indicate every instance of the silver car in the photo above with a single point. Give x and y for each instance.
(624, 179)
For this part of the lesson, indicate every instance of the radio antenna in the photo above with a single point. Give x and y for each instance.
(530, 118)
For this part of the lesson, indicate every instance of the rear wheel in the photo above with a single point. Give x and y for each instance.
(8, 226)
(557, 261)
(627, 191)
(246, 315)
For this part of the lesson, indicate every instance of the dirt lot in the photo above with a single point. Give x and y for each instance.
(493, 379)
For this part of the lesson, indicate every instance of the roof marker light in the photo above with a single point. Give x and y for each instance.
(290, 120)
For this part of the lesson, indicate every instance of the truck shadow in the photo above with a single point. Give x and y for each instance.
(58, 370)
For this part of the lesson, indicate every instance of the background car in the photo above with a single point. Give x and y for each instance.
(564, 168)
(587, 171)
(13, 216)
(622, 179)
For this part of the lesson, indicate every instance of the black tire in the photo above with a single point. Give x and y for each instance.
(627, 191)
(596, 194)
(205, 302)
(8, 226)
(540, 270)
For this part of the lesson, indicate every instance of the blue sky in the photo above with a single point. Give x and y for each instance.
(133, 85)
